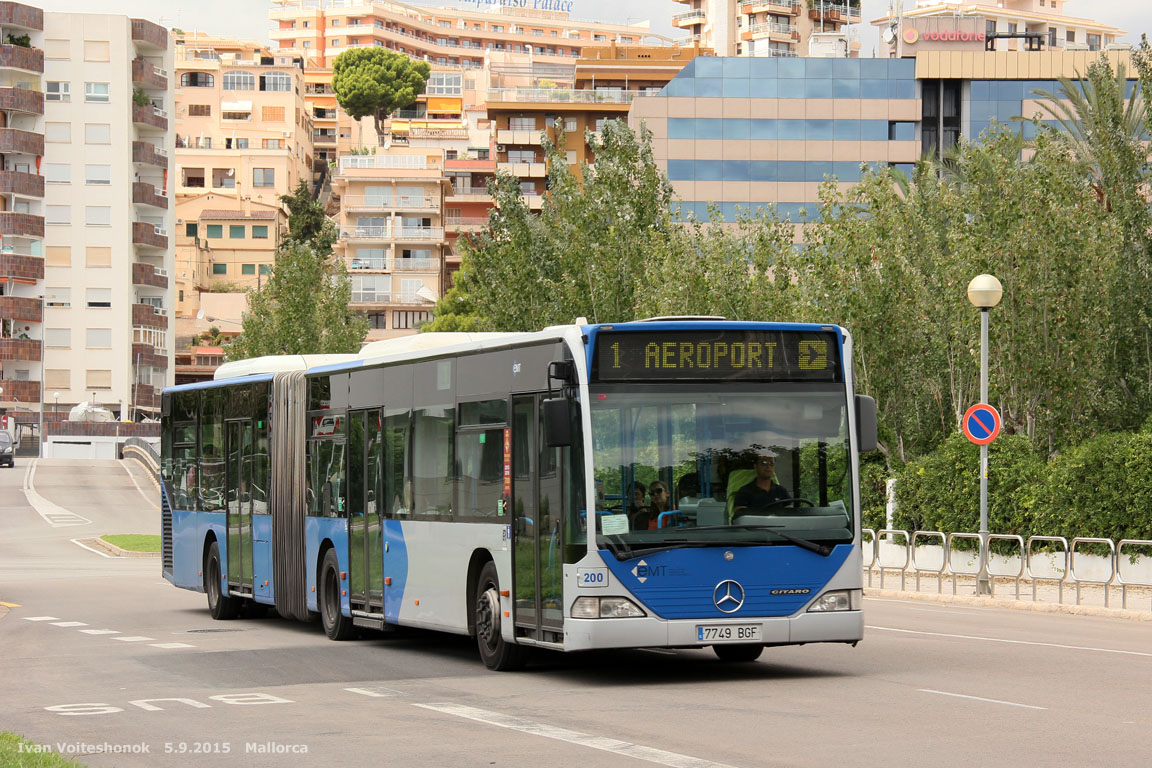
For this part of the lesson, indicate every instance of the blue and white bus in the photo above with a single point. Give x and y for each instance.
(677, 483)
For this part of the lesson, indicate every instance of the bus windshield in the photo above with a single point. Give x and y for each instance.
(689, 465)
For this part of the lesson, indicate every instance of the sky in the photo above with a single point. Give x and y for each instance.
(248, 19)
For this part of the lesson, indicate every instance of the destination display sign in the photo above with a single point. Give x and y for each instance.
(717, 355)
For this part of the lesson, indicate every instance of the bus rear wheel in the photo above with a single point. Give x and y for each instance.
(496, 654)
(220, 605)
(739, 652)
(336, 625)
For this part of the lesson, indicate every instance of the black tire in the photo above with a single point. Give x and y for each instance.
(496, 654)
(220, 606)
(739, 652)
(336, 625)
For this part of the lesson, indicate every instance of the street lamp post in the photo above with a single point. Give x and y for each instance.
(984, 292)
(56, 407)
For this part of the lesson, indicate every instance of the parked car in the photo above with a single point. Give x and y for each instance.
(7, 450)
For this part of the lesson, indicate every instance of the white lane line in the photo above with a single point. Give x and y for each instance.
(100, 631)
(377, 692)
(168, 645)
(979, 698)
(1011, 642)
(41, 618)
(69, 624)
(133, 639)
(901, 602)
(78, 543)
(132, 477)
(53, 514)
(574, 737)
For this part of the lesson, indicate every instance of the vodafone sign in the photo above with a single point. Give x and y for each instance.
(943, 32)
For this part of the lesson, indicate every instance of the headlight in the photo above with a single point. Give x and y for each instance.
(605, 608)
(840, 600)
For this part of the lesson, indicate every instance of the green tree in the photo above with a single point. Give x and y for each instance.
(377, 82)
(307, 222)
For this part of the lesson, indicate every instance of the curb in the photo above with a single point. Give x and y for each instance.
(1018, 605)
(114, 550)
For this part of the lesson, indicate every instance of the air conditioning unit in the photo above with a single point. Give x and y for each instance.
(499, 147)
(287, 134)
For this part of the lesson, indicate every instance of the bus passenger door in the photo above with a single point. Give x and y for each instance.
(240, 436)
(365, 521)
(537, 504)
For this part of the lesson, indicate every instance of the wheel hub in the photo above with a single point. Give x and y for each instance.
(488, 617)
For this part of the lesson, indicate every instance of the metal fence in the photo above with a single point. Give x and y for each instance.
(1038, 560)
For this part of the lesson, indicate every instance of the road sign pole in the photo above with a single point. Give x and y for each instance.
(982, 585)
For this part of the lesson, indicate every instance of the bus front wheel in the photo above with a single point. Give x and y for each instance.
(497, 654)
(336, 625)
(220, 605)
(741, 652)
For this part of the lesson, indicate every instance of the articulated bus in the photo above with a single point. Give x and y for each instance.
(678, 483)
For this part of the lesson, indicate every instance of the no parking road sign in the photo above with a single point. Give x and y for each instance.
(981, 423)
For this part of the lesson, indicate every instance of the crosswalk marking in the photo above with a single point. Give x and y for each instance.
(133, 639)
(41, 618)
(377, 692)
(171, 645)
(69, 624)
(100, 631)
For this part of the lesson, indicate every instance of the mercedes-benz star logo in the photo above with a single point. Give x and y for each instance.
(728, 596)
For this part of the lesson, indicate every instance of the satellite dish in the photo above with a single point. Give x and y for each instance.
(199, 314)
(888, 35)
(231, 171)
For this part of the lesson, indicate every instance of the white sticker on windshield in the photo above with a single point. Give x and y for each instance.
(613, 524)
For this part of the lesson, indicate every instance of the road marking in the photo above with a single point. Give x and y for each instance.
(573, 737)
(53, 514)
(1012, 642)
(100, 631)
(377, 692)
(41, 618)
(167, 645)
(69, 624)
(980, 698)
(133, 639)
(132, 477)
(10, 605)
(82, 545)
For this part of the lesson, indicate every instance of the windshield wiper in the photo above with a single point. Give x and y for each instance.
(632, 554)
(618, 546)
(821, 549)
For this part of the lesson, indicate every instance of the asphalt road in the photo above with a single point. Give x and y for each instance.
(103, 653)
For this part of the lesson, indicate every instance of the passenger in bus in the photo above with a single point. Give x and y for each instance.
(763, 493)
(661, 501)
(639, 506)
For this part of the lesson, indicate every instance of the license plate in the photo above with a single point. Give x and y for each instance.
(728, 633)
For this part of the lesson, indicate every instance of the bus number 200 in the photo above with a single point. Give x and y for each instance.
(592, 577)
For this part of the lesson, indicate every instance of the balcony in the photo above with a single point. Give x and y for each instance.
(144, 193)
(323, 138)
(149, 35)
(478, 194)
(147, 75)
(147, 153)
(377, 265)
(21, 225)
(524, 170)
(366, 233)
(22, 16)
(146, 315)
(778, 7)
(20, 307)
(146, 274)
(19, 57)
(416, 265)
(371, 299)
(382, 202)
(149, 117)
(149, 235)
(20, 391)
(688, 19)
(20, 349)
(562, 95)
(508, 136)
(19, 183)
(24, 142)
(465, 223)
(146, 354)
(389, 162)
(21, 100)
(784, 32)
(145, 396)
(435, 234)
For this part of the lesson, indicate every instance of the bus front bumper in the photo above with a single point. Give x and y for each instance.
(653, 632)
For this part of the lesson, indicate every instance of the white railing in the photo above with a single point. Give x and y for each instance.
(417, 265)
(366, 233)
(359, 263)
(419, 233)
(388, 201)
(477, 190)
(698, 13)
(371, 297)
(779, 29)
(410, 162)
(779, 53)
(466, 221)
(570, 95)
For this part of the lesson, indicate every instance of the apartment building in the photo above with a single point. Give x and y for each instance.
(528, 100)
(746, 133)
(1004, 25)
(243, 139)
(85, 216)
(392, 235)
(773, 28)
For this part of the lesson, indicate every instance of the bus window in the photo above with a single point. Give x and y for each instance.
(211, 493)
(432, 466)
(480, 472)
(396, 488)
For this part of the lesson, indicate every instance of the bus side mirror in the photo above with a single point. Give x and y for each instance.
(865, 423)
(557, 413)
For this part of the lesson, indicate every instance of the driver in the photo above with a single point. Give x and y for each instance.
(764, 491)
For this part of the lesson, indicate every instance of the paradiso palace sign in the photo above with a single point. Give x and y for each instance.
(942, 33)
